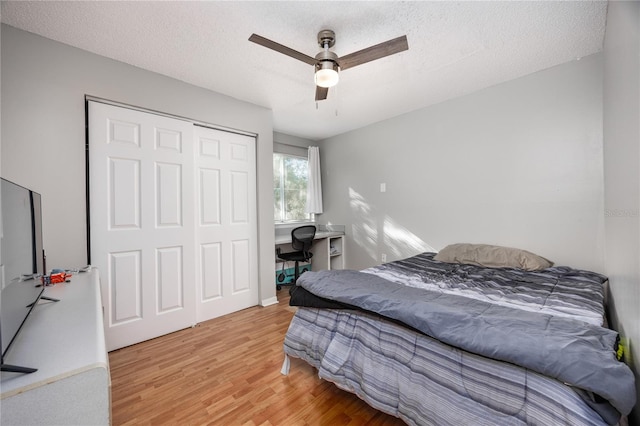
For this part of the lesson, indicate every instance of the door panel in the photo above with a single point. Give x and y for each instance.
(209, 197)
(241, 257)
(170, 286)
(169, 195)
(124, 193)
(126, 287)
(240, 198)
(173, 219)
(211, 278)
(142, 221)
(226, 224)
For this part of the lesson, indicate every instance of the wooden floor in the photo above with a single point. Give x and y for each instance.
(227, 372)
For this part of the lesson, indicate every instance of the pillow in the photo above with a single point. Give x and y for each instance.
(492, 257)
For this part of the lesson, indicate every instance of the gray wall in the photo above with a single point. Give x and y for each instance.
(43, 133)
(293, 145)
(622, 174)
(518, 164)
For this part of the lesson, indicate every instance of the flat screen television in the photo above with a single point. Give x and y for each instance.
(21, 259)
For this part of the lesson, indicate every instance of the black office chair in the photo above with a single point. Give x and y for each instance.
(301, 240)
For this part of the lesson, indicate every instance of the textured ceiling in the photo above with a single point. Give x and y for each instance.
(455, 48)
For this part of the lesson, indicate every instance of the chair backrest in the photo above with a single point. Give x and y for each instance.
(302, 237)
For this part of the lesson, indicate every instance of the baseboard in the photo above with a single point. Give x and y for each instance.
(270, 301)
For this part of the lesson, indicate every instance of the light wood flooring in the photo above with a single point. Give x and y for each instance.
(226, 371)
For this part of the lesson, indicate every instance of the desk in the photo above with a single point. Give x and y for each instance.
(327, 249)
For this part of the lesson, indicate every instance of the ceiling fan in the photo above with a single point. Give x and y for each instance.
(327, 63)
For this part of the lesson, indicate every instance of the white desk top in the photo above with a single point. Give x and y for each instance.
(60, 339)
(286, 239)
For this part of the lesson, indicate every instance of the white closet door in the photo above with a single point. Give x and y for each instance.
(142, 211)
(226, 237)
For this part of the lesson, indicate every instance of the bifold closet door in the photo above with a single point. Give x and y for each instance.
(142, 221)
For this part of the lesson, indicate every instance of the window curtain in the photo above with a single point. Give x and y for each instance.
(314, 188)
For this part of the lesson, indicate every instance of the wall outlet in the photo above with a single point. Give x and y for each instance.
(383, 187)
(383, 257)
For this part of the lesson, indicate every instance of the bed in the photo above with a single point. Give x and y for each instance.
(450, 341)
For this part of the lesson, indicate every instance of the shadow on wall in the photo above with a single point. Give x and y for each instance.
(364, 228)
(376, 235)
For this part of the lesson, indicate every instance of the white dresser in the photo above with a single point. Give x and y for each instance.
(65, 341)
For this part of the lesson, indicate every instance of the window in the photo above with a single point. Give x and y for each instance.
(290, 188)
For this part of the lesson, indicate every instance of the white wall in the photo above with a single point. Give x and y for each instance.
(43, 134)
(518, 164)
(622, 174)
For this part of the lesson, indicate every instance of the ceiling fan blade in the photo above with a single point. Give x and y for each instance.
(321, 93)
(282, 49)
(372, 53)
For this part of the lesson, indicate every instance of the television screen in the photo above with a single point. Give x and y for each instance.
(21, 256)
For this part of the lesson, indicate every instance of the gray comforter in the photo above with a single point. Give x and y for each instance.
(558, 291)
(577, 353)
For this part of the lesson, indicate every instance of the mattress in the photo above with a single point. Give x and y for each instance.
(422, 380)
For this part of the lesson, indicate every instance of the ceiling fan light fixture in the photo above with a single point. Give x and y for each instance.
(327, 64)
(327, 74)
